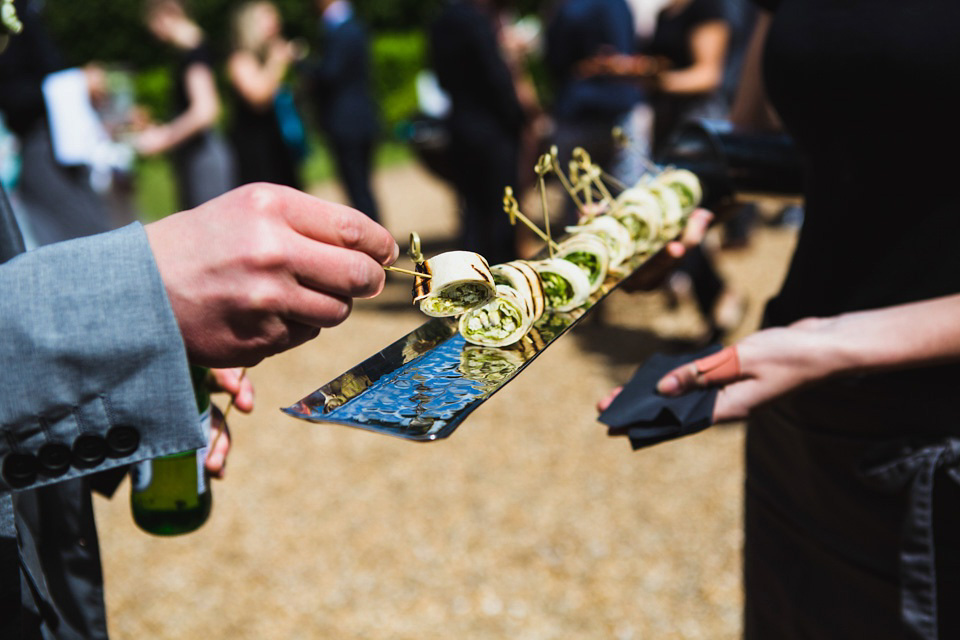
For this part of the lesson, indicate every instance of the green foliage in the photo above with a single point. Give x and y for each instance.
(151, 89)
(397, 58)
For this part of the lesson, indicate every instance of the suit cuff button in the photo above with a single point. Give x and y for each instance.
(89, 451)
(122, 441)
(54, 459)
(19, 469)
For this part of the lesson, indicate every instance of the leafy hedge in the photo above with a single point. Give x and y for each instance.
(111, 31)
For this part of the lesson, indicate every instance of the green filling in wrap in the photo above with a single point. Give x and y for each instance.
(589, 262)
(495, 321)
(558, 289)
(685, 194)
(457, 298)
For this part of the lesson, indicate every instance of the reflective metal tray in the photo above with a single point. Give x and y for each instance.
(424, 385)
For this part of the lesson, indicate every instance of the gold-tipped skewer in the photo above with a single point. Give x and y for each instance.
(543, 167)
(512, 208)
(416, 255)
(414, 249)
(592, 172)
(555, 162)
(223, 421)
(408, 272)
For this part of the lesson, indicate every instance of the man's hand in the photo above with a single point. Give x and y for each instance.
(263, 268)
(235, 383)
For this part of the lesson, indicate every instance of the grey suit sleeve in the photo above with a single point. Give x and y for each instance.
(92, 365)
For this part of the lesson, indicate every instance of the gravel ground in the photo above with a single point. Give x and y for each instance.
(528, 523)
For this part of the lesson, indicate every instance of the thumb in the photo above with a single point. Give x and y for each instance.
(679, 381)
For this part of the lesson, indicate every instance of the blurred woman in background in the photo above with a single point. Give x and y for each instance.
(203, 164)
(691, 37)
(260, 60)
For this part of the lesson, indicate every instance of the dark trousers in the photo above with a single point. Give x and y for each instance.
(707, 284)
(483, 166)
(354, 160)
(58, 200)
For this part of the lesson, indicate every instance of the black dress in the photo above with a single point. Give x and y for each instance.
(261, 151)
(853, 486)
(671, 40)
(204, 166)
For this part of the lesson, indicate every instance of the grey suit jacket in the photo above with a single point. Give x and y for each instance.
(94, 376)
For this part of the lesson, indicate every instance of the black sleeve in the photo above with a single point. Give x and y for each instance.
(769, 5)
(701, 11)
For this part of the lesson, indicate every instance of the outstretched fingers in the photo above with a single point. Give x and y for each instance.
(718, 369)
(341, 226)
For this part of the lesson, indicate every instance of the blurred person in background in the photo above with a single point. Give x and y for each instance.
(485, 121)
(588, 106)
(683, 69)
(690, 40)
(339, 86)
(853, 444)
(204, 166)
(54, 194)
(256, 69)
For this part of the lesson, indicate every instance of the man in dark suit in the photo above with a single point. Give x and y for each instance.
(587, 107)
(485, 121)
(339, 84)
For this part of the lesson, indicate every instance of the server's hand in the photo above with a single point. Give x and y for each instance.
(263, 268)
(760, 368)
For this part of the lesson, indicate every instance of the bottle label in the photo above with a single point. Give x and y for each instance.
(205, 422)
(141, 474)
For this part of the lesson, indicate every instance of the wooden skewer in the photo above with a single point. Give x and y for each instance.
(223, 422)
(542, 168)
(555, 161)
(512, 209)
(408, 272)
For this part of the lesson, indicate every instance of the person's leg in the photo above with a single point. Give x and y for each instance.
(354, 159)
(483, 169)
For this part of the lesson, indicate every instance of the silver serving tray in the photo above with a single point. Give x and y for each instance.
(424, 385)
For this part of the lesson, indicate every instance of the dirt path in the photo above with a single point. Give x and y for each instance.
(528, 523)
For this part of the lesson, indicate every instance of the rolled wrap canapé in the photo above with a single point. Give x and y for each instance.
(639, 211)
(588, 252)
(685, 184)
(459, 280)
(524, 279)
(565, 285)
(498, 323)
(613, 233)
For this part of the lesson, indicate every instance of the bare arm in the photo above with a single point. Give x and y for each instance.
(751, 110)
(257, 82)
(708, 44)
(201, 114)
(776, 361)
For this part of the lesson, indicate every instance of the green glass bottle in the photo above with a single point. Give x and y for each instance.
(171, 495)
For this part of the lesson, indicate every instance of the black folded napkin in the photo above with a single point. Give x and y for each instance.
(648, 418)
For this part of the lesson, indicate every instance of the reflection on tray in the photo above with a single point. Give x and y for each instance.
(424, 385)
